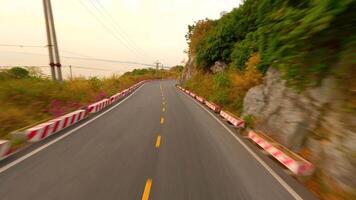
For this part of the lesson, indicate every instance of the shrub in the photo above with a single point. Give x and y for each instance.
(248, 121)
(243, 50)
(18, 72)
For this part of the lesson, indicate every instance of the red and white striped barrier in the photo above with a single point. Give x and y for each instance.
(116, 97)
(4, 148)
(297, 166)
(43, 130)
(213, 106)
(98, 106)
(192, 94)
(237, 122)
(200, 99)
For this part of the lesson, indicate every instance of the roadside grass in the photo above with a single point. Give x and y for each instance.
(28, 99)
(227, 88)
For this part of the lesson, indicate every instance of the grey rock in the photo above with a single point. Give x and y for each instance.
(295, 118)
(188, 70)
(218, 67)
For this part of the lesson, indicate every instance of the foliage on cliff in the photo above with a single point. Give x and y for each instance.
(304, 39)
(227, 88)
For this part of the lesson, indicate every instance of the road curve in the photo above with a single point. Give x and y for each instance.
(159, 145)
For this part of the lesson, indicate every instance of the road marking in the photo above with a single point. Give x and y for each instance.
(158, 142)
(162, 120)
(17, 161)
(290, 190)
(163, 109)
(147, 190)
(164, 103)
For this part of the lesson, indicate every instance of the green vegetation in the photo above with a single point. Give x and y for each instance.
(227, 88)
(27, 96)
(304, 39)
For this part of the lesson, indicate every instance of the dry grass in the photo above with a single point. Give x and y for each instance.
(325, 188)
(25, 101)
(227, 88)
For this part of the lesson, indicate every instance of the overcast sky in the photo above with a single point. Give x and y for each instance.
(146, 30)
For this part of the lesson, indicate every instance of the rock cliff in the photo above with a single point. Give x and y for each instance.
(314, 119)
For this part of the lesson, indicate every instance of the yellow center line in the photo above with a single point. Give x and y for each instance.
(147, 190)
(158, 142)
(163, 109)
(162, 120)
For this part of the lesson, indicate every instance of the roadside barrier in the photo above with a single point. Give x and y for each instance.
(200, 99)
(4, 148)
(43, 130)
(290, 160)
(98, 106)
(192, 94)
(114, 98)
(295, 163)
(237, 122)
(213, 106)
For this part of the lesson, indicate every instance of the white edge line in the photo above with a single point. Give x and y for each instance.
(17, 161)
(268, 168)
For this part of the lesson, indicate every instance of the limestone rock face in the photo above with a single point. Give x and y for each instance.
(218, 67)
(188, 70)
(314, 119)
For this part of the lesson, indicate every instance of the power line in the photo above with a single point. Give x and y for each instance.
(110, 31)
(117, 26)
(91, 59)
(22, 46)
(75, 66)
(40, 46)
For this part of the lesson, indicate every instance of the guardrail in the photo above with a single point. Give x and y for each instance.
(49, 127)
(295, 163)
(292, 161)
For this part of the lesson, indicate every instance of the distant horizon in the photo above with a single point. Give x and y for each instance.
(145, 31)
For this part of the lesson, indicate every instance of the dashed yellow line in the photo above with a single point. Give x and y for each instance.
(147, 190)
(163, 109)
(162, 120)
(158, 141)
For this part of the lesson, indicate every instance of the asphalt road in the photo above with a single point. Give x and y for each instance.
(157, 144)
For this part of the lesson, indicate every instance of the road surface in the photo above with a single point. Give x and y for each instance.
(158, 144)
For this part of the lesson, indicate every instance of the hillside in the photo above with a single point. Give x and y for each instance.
(288, 69)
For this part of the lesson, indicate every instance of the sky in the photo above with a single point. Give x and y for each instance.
(140, 31)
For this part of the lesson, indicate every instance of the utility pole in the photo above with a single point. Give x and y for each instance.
(157, 63)
(49, 40)
(71, 73)
(55, 44)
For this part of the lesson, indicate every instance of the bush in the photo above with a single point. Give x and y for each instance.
(248, 121)
(227, 88)
(18, 72)
(221, 81)
(220, 97)
(243, 50)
